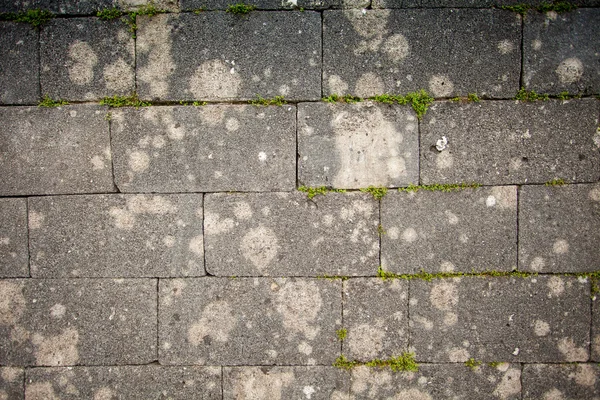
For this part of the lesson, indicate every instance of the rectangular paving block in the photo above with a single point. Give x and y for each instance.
(124, 382)
(77, 321)
(223, 56)
(560, 52)
(357, 145)
(11, 383)
(382, 51)
(204, 149)
(249, 321)
(86, 59)
(116, 236)
(559, 228)
(14, 252)
(19, 63)
(536, 319)
(280, 383)
(375, 318)
(467, 230)
(470, 3)
(509, 142)
(192, 5)
(595, 331)
(57, 150)
(561, 381)
(70, 7)
(281, 234)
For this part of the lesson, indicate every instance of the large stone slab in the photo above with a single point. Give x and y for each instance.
(116, 236)
(507, 142)
(560, 52)
(377, 51)
(470, 3)
(77, 321)
(537, 319)
(286, 234)
(14, 251)
(192, 5)
(70, 7)
(376, 318)
(19, 63)
(222, 56)
(86, 59)
(57, 150)
(210, 148)
(357, 145)
(595, 332)
(249, 321)
(467, 230)
(11, 383)
(561, 381)
(558, 228)
(279, 383)
(125, 382)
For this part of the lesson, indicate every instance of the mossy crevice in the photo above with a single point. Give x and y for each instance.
(48, 102)
(556, 182)
(260, 101)
(440, 187)
(556, 6)
(240, 8)
(311, 192)
(35, 17)
(404, 362)
(124, 101)
(376, 192)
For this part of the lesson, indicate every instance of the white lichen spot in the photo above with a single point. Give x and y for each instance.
(12, 302)
(536, 44)
(299, 304)
(123, 219)
(444, 295)
(158, 142)
(118, 76)
(368, 24)
(410, 235)
(393, 233)
(327, 220)
(242, 211)
(104, 393)
(255, 384)
(594, 194)
(259, 246)
(412, 394)
(570, 70)
(506, 46)
(10, 374)
(490, 201)
(337, 85)
(424, 322)
(57, 350)
(554, 394)
(444, 160)
(57, 311)
(169, 241)
(304, 348)
(217, 322)
(97, 163)
(510, 385)
(214, 225)
(196, 245)
(262, 156)
(40, 391)
(452, 218)
(365, 340)
(450, 319)
(308, 391)
(440, 86)
(396, 47)
(82, 62)
(585, 375)
(154, 40)
(556, 285)
(537, 264)
(369, 84)
(36, 219)
(458, 354)
(541, 328)
(232, 124)
(447, 266)
(560, 247)
(570, 351)
(214, 80)
(505, 196)
(139, 161)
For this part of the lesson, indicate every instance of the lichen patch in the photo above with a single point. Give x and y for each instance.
(83, 59)
(12, 302)
(57, 350)
(214, 80)
(570, 70)
(255, 384)
(217, 322)
(366, 340)
(299, 304)
(510, 384)
(259, 246)
(444, 295)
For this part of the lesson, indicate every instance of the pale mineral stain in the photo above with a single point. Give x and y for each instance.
(396, 47)
(36, 219)
(510, 385)
(154, 40)
(196, 245)
(410, 235)
(123, 219)
(424, 322)
(541, 328)
(412, 394)
(570, 352)
(259, 246)
(536, 44)
(505, 197)
(457, 354)
(369, 84)
(139, 161)
(365, 340)
(556, 285)
(104, 393)
(299, 303)
(232, 124)
(153, 205)
(12, 302)
(58, 311)
(452, 218)
(393, 233)
(217, 322)
(97, 163)
(214, 225)
(158, 142)
(570, 70)
(506, 46)
(119, 76)
(254, 384)
(444, 296)
(83, 60)
(40, 391)
(444, 160)
(538, 264)
(554, 394)
(10, 374)
(560, 247)
(213, 80)
(337, 85)
(212, 115)
(305, 348)
(450, 319)
(440, 85)
(585, 375)
(447, 266)
(369, 24)
(57, 350)
(365, 380)
(594, 194)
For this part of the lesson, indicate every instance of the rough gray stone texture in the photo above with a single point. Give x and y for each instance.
(595, 340)
(77, 321)
(11, 383)
(438, 381)
(57, 150)
(383, 51)
(70, 7)
(191, 5)
(561, 52)
(467, 230)
(249, 321)
(286, 234)
(133, 5)
(116, 236)
(280, 383)
(469, 3)
(209, 148)
(537, 319)
(376, 318)
(558, 228)
(357, 145)
(221, 56)
(14, 251)
(561, 381)
(86, 59)
(19, 63)
(508, 142)
(125, 382)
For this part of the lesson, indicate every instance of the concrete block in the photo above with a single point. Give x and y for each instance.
(19, 63)
(561, 381)
(11, 383)
(14, 252)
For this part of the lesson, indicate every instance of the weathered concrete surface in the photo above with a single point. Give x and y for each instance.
(280, 383)
(511, 142)
(469, 3)
(357, 145)
(116, 236)
(69, 7)
(468, 230)
(376, 318)
(389, 51)
(126, 382)
(14, 252)
(438, 381)
(538, 319)
(221, 56)
(165, 5)
(86, 59)
(249, 321)
(19, 62)
(11, 383)
(558, 228)
(57, 150)
(192, 5)
(561, 381)
(595, 340)
(286, 234)
(209, 148)
(77, 321)
(561, 52)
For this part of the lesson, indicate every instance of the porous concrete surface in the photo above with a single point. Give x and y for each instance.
(11, 383)
(14, 248)
(560, 381)
(68, 7)
(192, 5)
(19, 60)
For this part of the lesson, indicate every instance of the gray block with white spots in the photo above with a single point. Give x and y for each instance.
(19, 63)
(467, 230)
(220, 56)
(286, 234)
(249, 321)
(14, 251)
(62, 150)
(595, 331)
(78, 322)
(204, 149)
(561, 52)
(536, 319)
(192, 5)
(469, 3)
(558, 228)
(561, 381)
(358, 145)
(116, 236)
(509, 142)
(11, 383)
(69, 7)
(388, 51)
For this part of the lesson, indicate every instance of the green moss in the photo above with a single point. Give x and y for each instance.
(595, 287)
(109, 13)
(420, 102)
(199, 11)
(35, 17)
(427, 276)
(108, 116)
(518, 8)
(439, 187)
(333, 277)
(333, 98)
(472, 97)
(348, 98)
(555, 182)
(124, 101)
(456, 99)
(380, 230)
(276, 101)
(130, 19)
(193, 103)
(352, 99)
(556, 6)
(524, 95)
(313, 191)
(341, 334)
(472, 363)
(343, 363)
(404, 362)
(240, 8)
(494, 364)
(376, 192)
(48, 102)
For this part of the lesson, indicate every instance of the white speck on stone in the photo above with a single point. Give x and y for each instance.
(537, 264)
(560, 247)
(570, 70)
(441, 143)
(138, 161)
(409, 235)
(506, 46)
(541, 328)
(262, 156)
(58, 311)
(536, 44)
(308, 391)
(490, 201)
(516, 352)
